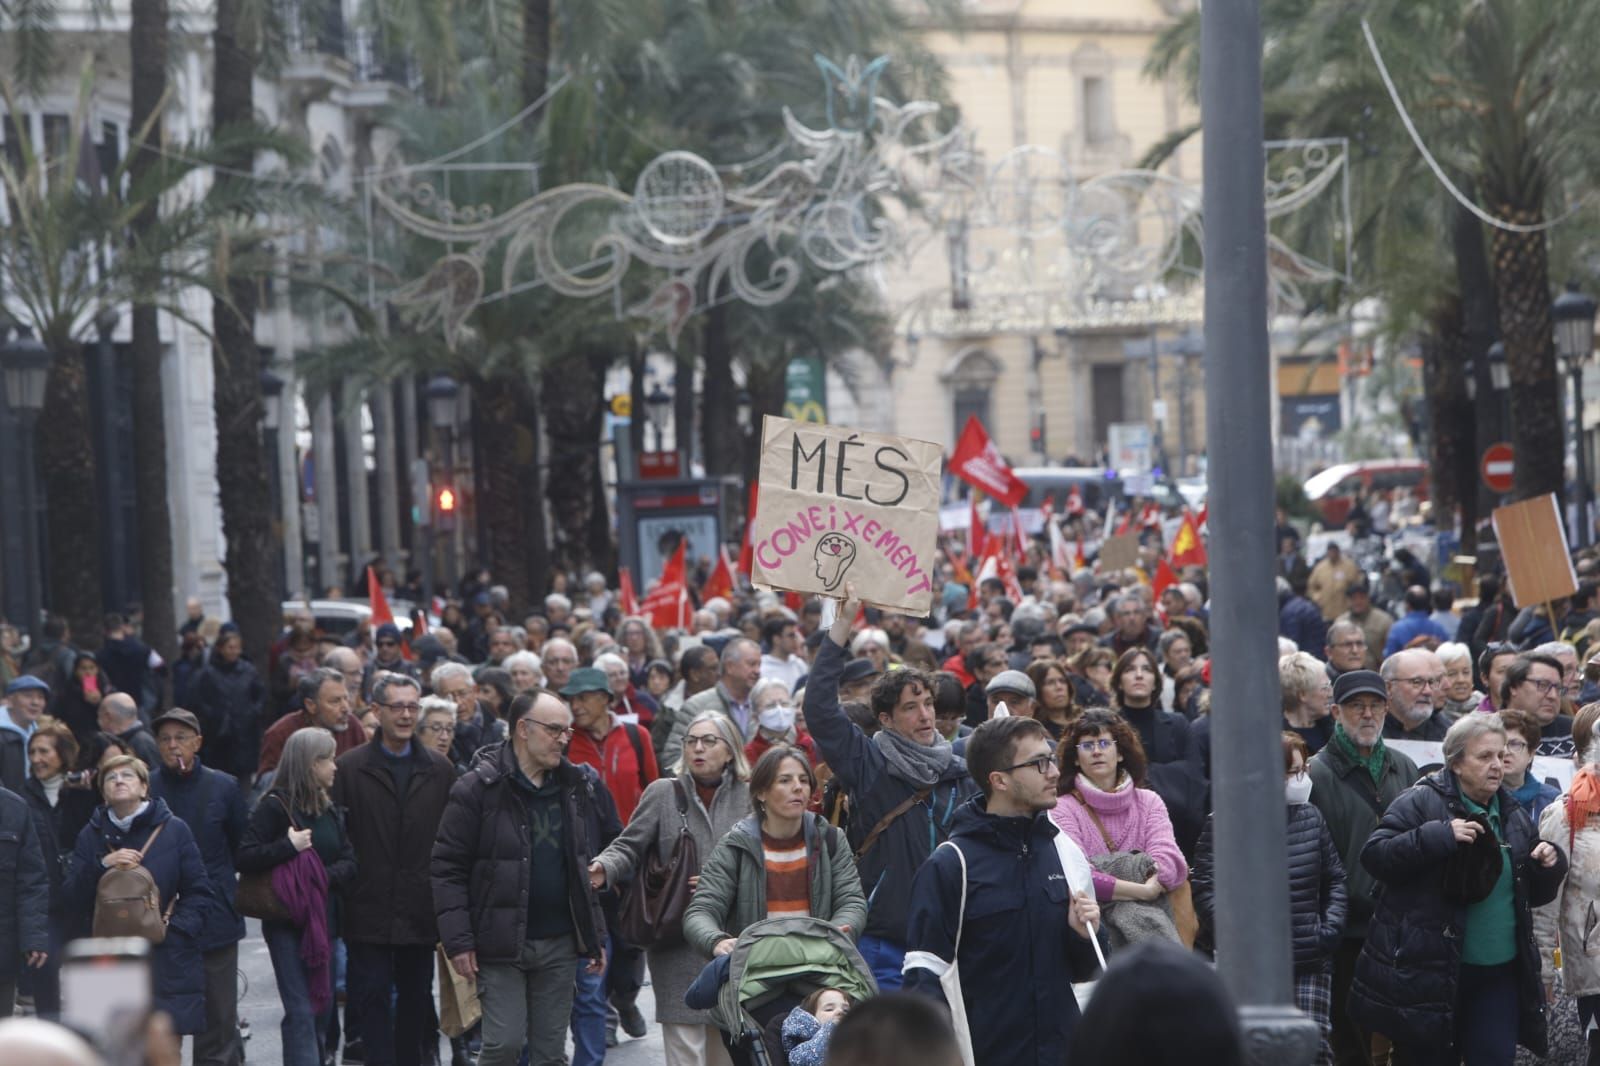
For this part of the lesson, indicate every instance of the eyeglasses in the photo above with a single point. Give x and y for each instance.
(1421, 682)
(1520, 747)
(1041, 764)
(1089, 747)
(701, 742)
(1544, 687)
(440, 729)
(403, 708)
(557, 731)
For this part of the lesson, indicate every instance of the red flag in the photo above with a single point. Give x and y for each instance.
(1022, 538)
(377, 600)
(794, 601)
(419, 623)
(1008, 577)
(979, 463)
(720, 583)
(1187, 548)
(975, 532)
(1151, 516)
(667, 605)
(747, 549)
(1126, 525)
(625, 592)
(1164, 578)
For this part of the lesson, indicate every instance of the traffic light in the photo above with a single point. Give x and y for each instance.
(444, 507)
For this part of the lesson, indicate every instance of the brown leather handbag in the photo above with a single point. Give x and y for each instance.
(128, 903)
(654, 902)
(256, 897)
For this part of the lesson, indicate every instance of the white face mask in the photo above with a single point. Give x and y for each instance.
(1297, 789)
(778, 718)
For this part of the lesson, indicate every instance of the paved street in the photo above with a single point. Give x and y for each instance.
(258, 1003)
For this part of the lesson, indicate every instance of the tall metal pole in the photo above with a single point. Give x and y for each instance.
(1580, 509)
(1252, 909)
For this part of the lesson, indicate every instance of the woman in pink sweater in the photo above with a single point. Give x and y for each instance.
(1104, 806)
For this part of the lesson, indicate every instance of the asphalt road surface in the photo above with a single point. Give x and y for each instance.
(259, 1005)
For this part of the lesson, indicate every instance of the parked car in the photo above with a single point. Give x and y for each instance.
(1094, 484)
(1333, 492)
(340, 618)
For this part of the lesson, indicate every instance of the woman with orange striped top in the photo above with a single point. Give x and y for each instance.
(783, 860)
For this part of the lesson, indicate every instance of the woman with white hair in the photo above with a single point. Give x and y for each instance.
(872, 644)
(710, 793)
(640, 645)
(776, 722)
(1307, 699)
(524, 668)
(1457, 693)
(630, 704)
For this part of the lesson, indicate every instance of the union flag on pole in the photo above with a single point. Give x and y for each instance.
(625, 592)
(720, 583)
(978, 462)
(1163, 579)
(746, 550)
(667, 605)
(377, 600)
(1187, 548)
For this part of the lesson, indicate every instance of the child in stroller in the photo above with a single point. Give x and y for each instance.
(809, 1026)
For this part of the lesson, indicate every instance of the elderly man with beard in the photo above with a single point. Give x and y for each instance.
(1414, 677)
(904, 785)
(1354, 778)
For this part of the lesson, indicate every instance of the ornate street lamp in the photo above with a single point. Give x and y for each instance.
(25, 368)
(271, 401)
(1573, 314)
(442, 391)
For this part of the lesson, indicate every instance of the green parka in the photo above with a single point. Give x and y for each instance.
(1352, 803)
(732, 893)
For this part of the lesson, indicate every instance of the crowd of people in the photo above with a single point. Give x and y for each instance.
(474, 843)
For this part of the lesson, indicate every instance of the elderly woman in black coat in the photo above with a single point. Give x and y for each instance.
(1449, 971)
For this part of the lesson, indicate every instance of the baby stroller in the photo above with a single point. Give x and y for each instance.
(776, 964)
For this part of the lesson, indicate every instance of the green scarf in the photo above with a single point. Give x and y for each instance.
(1373, 762)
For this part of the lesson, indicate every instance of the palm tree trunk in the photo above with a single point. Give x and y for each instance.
(247, 519)
(573, 398)
(66, 458)
(147, 49)
(501, 459)
(1522, 289)
(1450, 413)
(1480, 328)
(719, 415)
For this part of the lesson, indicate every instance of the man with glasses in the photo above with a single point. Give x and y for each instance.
(211, 805)
(1533, 685)
(510, 881)
(1374, 621)
(1414, 678)
(394, 791)
(1354, 779)
(473, 727)
(1016, 955)
(1347, 649)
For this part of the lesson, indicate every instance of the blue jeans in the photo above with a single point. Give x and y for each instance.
(884, 958)
(588, 1017)
(302, 1039)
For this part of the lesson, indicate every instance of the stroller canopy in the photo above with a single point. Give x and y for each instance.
(794, 955)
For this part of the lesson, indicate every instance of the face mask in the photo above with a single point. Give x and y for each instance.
(778, 718)
(1297, 790)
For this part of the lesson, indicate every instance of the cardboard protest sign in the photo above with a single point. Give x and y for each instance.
(1119, 552)
(1429, 756)
(839, 503)
(1533, 544)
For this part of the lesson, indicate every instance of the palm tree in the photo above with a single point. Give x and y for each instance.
(68, 253)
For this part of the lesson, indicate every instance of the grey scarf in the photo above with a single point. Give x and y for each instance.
(916, 764)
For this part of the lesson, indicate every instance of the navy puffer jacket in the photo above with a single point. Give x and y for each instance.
(211, 805)
(177, 967)
(1318, 905)
(1406, 978)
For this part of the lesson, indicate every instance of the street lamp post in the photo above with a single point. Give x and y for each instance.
(271, 420)
(1574, 313)
(442, 392)
(1252, 913)
(25, 367)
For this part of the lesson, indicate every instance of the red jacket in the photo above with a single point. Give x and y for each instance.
(615, 758)
(956, 666)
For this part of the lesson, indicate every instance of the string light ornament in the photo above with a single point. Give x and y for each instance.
(1029, 246)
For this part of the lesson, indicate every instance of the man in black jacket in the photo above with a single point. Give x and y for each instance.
(24, 896)
(393, 790)
(1023, 938)
(211, 805)
(515, 906)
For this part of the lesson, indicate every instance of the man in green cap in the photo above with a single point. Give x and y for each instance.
(622, 753)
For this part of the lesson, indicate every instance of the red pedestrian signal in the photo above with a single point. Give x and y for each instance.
(447, 500)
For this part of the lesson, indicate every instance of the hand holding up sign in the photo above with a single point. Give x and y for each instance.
(839, 632)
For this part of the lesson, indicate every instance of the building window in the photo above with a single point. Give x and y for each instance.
(971, 402)
(1096, 121)
(970, 377)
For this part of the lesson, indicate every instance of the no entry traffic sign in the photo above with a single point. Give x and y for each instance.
(1497, 466)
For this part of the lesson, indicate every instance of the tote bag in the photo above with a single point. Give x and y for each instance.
(950, 980)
